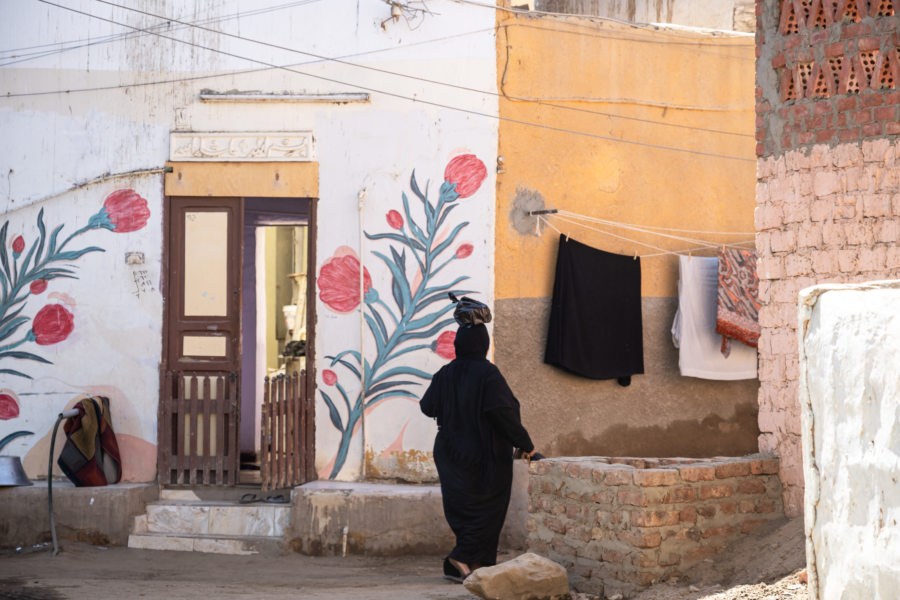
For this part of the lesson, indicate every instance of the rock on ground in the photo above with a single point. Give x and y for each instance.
(526, 577)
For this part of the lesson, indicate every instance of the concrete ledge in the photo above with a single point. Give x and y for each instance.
(96, 515)
(384, 519)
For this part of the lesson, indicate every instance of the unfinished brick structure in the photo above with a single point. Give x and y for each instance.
(620, 524)
(828, 181)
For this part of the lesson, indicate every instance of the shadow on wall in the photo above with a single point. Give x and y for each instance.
(712, 435)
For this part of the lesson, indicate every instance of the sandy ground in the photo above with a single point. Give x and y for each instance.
(760, 567)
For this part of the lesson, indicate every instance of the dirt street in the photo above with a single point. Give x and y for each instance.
(763, 566)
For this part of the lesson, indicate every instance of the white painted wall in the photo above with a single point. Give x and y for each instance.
(850, 398)
(56, 141)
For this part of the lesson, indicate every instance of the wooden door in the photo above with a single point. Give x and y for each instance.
(199, 409)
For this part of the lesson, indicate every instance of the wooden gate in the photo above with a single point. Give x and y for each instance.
(200, 443)
(286, 432)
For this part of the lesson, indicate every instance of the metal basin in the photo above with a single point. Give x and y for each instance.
(11, 472)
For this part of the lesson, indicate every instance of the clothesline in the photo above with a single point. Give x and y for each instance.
(651, 230)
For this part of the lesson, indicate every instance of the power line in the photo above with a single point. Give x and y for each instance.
(412, 99)
(417, 78)
(133, 34)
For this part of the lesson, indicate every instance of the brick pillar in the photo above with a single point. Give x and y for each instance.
(828, 181)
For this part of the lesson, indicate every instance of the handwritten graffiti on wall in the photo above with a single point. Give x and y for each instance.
(419, 311)
(27, 271)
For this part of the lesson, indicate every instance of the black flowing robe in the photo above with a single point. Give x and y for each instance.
(478, 425)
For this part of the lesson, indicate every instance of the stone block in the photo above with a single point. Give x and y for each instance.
(526, 577)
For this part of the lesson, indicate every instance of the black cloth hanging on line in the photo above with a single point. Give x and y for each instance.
(595, 317)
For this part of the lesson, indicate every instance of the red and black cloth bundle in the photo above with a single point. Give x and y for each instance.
(90, 456)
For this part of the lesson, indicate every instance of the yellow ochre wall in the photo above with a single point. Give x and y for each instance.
(659, 77)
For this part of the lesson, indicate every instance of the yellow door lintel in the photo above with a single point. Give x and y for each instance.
(243, 179)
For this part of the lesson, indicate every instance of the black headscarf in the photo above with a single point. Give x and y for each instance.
(472, 342)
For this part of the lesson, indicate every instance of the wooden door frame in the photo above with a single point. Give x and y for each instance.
(245, 179)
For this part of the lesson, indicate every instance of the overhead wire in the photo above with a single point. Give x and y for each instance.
(392, 94)
(87, 42)
(401, 96)
(407, 76)
(340, 60)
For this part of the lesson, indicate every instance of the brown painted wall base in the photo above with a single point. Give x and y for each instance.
(660, 414)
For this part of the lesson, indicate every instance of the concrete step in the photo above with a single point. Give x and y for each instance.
(214, 544)
(214, 518)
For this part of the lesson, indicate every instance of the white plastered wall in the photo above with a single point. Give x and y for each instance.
(57, 141)
(850, 400)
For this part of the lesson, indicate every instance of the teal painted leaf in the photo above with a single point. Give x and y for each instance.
(440, 297)
(12, 372)
(391, 394)
(403, 370)
(409, 349)
(377, 329)
(73, 254)
(11, 327)
(417, 231)
(24, 356)
(429, 319)
(43, 234)
(445, 213)
(397, 238)
(386, 385)
(333, 412)
(399, 277)
(450, 238)
(430, 332)
(13, 435)
(4, 260)
(52, 247)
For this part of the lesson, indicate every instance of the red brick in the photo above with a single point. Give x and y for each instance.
(892, 128)
(760, 149)
(654, 518)
(680, 494)
(760, 135)
(706, 511)
(751, 486)
(868, 43)
(632, 498)
(717, 531)
(779, 61)
(764, 505)
(815, 122)
(618, 477)
(852, 30)
(848, 135)
(892, 97)
(886, 113)
(656, 477)
(846, 103)
(869, 100)
(554, 525)
(791, 42)
(836, 49)
(759, 91)
(697, 473)
(701, 552)
(612, 556)
(749, 526)
(746, 506)
(822, 107)
(825, 135)
(733, 469)
(806, 137)
(640, 540)
(728, 508)
(871, 129)
(819, 36)
(689, 515)
(801, 111)
(669, 560)
(645, 559)
(862, 116)
(604, 497)
(715, 491)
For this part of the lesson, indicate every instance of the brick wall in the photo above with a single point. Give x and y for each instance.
(828, 72)
(621, 524)
(828, 185)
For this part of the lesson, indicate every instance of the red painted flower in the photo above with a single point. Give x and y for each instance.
(338, 283)
(329, 377)
(464, 250)
(467, 172)
(52, 324)
(394, 219)
(9, 408)
(123, 211)
(18, 245)
(443, 345)
(38, 285)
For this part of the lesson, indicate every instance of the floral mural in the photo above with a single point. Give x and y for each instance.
(412, 315)
(24, 275)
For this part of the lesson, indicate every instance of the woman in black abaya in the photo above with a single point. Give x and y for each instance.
(478, 426)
